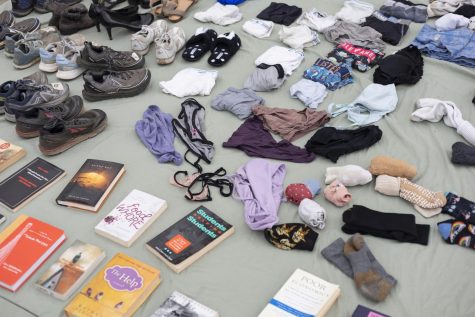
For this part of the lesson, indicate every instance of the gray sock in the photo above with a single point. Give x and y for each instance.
(334, 254)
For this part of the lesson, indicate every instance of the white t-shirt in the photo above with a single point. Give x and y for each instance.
(190, 82)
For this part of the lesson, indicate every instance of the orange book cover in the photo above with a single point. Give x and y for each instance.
(24, 245)
(119, 288)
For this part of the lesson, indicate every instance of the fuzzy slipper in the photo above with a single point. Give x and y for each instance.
(226, 45)
(199, 44)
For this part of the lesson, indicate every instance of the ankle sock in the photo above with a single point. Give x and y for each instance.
(386, 165)
(457, 232)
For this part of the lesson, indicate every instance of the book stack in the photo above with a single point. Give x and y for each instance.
(117, 290)
(24, 245)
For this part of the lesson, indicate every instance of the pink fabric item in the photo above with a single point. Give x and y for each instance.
(337, 193)
(290, 124)
(295, 193)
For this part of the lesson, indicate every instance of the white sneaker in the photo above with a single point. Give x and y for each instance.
(169, 44)
(141, 40)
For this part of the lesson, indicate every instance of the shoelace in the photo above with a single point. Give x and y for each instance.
(143, 32)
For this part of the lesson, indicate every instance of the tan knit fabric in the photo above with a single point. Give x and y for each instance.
(386, 165)
(421, 196)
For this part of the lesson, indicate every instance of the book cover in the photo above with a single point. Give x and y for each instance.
(91, 184)
(28, 182)
(362, 311)
(9, 154)
(303, 294)
(178, 304)
(131, 217)
(71, 269)
(190, 235)
(24, 246)
(117, 290)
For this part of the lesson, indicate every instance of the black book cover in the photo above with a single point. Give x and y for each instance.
(91, 182)
(362, 311)
(189, 235)
(27, 182)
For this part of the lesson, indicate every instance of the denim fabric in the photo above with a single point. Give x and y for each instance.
(456, 46)
(333, 76)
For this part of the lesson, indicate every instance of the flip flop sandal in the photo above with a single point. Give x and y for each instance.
(198, 45)
(156, 8)
(175, 10)
(226, 45)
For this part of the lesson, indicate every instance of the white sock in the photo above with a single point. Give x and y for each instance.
(348, 175)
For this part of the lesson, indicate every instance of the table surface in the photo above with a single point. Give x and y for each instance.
(245, 271)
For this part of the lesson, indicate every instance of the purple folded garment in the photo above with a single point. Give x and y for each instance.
(156, 132)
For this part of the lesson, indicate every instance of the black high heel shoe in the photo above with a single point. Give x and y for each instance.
(126, 17)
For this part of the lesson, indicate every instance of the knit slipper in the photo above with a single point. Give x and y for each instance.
(226, 45)
(199, 44)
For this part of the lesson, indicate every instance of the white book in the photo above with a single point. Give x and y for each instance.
(178, 304)
(131, 217)
(303, 294)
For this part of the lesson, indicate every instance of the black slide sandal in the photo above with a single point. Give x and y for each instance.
(198, 45)
(226, 46)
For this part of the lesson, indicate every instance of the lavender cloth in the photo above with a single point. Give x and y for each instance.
(259, 185)
(252, 138)
(156, 132)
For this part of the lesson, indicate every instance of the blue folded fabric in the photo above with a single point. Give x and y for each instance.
(234, 2)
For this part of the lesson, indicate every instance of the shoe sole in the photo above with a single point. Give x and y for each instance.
(48, 68)
(94, 66)
(8, 54)
(33, 62)
(165, 61)
(68, 145)
(92, 96)
(10, 117)
(27, 135)
(69, 74)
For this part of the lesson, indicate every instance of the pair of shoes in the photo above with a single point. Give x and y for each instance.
(9, 87)
(13, 40)
(27, 51)
(173, 10)
(127, 17)
(222, 47)
(28, 94)
(112, 74)
(62, 126)
(61, 57)
(24, 26)
(43, 6)
(167, 41)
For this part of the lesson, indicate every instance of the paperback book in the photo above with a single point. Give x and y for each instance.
(131, 217)
(362, 311)
(24, 245)
(178, 304)
(71, 269)
(303, 294)
(9, 154)
(117, 290)
(91, 185)
(190, 238)
(28, 182)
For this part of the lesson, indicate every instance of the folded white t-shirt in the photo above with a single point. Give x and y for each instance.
(289, 58)
(299, 36)
(355, 11)
(190, 82)
(258, 28)
(316, 20)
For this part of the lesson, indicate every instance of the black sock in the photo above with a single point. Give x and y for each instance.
(459, 208)
(400, 227)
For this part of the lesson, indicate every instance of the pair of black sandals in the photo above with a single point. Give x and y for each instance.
(222, 47)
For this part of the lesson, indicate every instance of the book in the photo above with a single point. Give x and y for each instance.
(362, 311)
(187, 240)
(9, 154)
(28, 182)
(303, 294)
(70, 270)
(178, 304)
(91, 185)
(117, 290)
(131, 217)
(24, 245)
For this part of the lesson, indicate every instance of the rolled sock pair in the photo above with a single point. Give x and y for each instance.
(426, 202)
(460, 208)
(386, 165)
(349, 175)
(337, 194)
(312, 213)
(399, 227)
(356, 260)
(297, 192)
(457, 232)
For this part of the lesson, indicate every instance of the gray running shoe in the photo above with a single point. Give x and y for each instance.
(112, 84)
(29, 95)
(28, 51)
